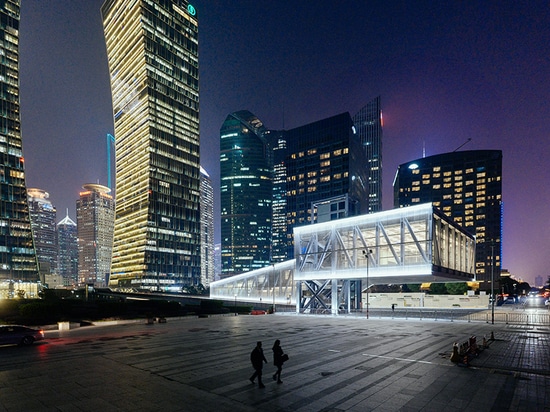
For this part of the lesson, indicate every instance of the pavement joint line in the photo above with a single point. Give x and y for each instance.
(399, 359)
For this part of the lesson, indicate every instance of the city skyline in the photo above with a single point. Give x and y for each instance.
(445, 73)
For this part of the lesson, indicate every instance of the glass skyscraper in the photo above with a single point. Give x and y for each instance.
(67, 251)
(467, 187)
(152, 49)
(95, 215)
(246, 194)
(43, 216)
(325, 164)
(17, 253)
(207, 229)
(368, 123)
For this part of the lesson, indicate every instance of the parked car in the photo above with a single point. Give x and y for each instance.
(19, 335)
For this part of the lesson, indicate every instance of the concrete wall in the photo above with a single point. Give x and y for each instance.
(422, 300)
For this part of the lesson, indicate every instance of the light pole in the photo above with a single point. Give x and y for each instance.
(273, 274)
(493, 283)
(367, 253)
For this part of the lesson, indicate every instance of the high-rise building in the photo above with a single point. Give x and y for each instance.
(17, 253)
(246, 194)
(467, 187)
(273, 181)
(368, 123)
(67, 251)
(279, 225)
(95, 215)
(43, 217)
(152, 49)
(325, 165)
(207, 229)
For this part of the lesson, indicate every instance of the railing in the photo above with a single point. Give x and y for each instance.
(464, 315)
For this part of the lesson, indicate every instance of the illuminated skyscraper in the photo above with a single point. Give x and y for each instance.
(368, 124)
(67, 251)
(17, 254)
(152, 49)
(43, 216)
(246, 194)
(326, 177)
(95, 215)
(467, 187)
(207, 229)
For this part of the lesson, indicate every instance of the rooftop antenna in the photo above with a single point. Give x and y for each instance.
(467, 141)
(423, 148)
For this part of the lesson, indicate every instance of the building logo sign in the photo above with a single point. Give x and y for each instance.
(191, 9)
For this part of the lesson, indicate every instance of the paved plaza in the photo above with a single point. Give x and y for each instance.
(337, 363)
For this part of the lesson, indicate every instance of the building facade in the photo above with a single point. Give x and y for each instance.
(95, 215)
(67, 251)
(207, 229)
(43, 217)
(368, 123)
(152, 50)
(17, 253)
(324, 160)
(246, 194)
(467, 187)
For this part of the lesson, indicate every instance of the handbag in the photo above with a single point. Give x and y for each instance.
(284, 358)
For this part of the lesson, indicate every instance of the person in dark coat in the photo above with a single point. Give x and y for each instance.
(257, 358)
(278, 360)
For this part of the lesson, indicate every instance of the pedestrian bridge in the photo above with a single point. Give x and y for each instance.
(337, 261)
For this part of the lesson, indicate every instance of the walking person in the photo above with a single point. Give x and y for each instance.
(278, 360)
(257, 358)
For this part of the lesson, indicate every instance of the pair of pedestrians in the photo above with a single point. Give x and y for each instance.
(257, 358)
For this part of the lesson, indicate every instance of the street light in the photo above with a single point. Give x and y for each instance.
(492, 283)
(367, 253)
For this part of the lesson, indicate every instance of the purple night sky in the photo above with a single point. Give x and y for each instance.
(446, 73)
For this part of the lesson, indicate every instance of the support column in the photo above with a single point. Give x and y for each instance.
(334, 296)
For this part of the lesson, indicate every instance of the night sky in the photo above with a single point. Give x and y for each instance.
(446, 73)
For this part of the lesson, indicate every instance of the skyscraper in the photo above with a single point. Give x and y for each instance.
(273, 181)
(368, 123)
(67, 251)
(246, 194)
(43, 216)
(325, 165)
(95, 215)
(152, 49)
(467, 187)
(17, 254)
(207, 229)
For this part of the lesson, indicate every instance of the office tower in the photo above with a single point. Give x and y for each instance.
(95, 215)
(43, 216)
(152, 49)
(17, 254)
(278, 219)
(368, 123)
(67, 251)
(325, 168)
(246, 194)
(207, 229)
(467, 187)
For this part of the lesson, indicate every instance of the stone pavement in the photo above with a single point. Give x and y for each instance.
(336, 364)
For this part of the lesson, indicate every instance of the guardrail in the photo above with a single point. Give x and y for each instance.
(466, 315)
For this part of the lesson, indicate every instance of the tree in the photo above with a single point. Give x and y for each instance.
(411, 287)
(438, 289)
(456, 288)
